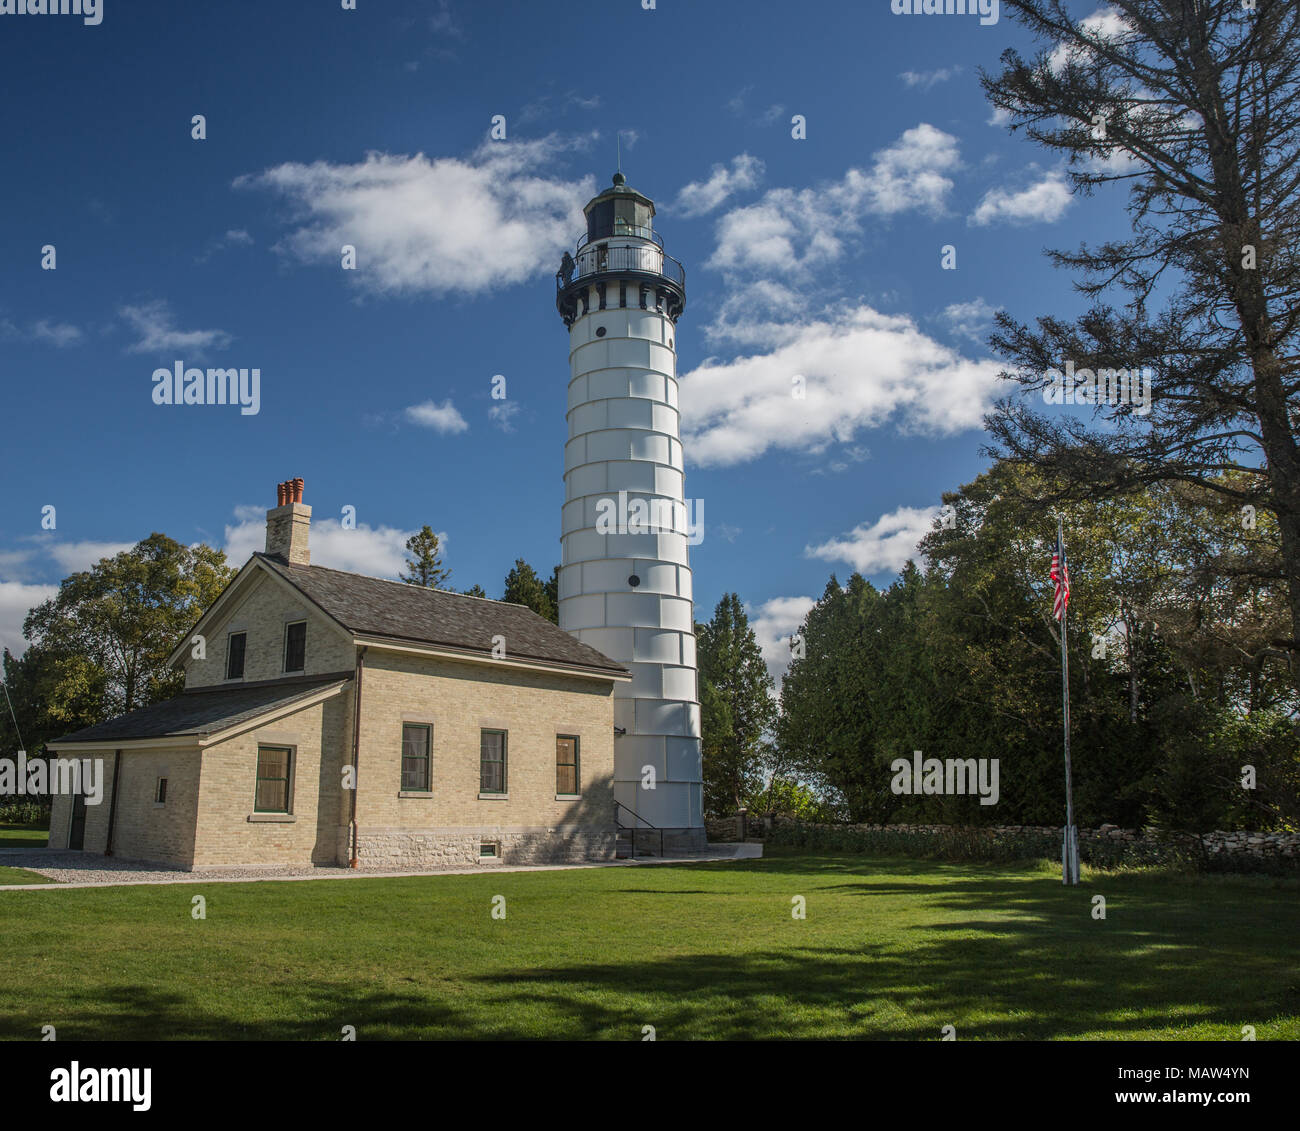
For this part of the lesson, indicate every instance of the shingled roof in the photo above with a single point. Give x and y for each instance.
(371, 606)
(204, 711)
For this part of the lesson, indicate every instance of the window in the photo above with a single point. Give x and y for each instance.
(160, 792)
(295, 646)
(492, 761)
(415, 757)
(566, 763)
(487, 850)
(272, 779)
(235, 643)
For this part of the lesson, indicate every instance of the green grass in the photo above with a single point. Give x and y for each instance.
(890, 949)
(24, 836)
(21, 876)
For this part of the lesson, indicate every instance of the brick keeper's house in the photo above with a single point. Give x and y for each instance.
(337, 719)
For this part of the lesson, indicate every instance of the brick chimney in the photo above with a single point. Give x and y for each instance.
(287, 524)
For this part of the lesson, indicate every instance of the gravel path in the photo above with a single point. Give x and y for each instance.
(79, 869)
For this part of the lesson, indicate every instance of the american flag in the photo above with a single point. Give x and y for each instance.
(1060, 580)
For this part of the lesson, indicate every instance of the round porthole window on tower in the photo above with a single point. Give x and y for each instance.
(600, 331)
(634, 581)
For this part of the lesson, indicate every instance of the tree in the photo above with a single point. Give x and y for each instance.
(475, 590)
(104, 638)
(424, 565)
(1197, 106)
(553, 593)
(524, 587)
(737, 705)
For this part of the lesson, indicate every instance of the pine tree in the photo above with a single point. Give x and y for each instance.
(524, 587)
(737, 705)
(424, 565)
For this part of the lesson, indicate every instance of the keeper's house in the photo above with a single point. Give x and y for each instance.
(331, 718)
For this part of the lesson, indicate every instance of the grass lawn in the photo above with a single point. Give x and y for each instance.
(21, 876)
(23, 836)
(890, 949)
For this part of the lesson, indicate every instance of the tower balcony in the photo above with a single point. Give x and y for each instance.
(623, 274)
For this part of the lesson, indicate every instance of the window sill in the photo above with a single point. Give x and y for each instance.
(272, 818)
(568, 797)
(160, 805)
(428, 793)
(494, 797)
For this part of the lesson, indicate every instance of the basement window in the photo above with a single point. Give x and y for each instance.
(489, 850)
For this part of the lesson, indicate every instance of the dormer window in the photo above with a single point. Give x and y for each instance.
(235, 644)
(295, 646)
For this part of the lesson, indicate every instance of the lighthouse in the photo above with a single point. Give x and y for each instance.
(626, 528)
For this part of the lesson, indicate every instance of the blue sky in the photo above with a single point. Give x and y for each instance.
(817, 257)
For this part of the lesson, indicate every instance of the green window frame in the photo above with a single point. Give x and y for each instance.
(295, 646)
(160, 792)
(417, 751)
(274, 776)
(493, 761)
(567, 780)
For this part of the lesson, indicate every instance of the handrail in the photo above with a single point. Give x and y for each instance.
(636, 230)
(653, 828)
(640, 259)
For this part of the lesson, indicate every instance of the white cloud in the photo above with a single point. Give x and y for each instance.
(16, 601)
(375, 551)
(1045, 201)
(1104, 25)
(885, 544)
(156, 326)
(999, 117)
(434, 225)
(44, 331)
(774, 622)
(926, 79)
(73, 557)
(34, 557)
(502, 413)
(790, 231)
(970, 319)
(860, 368)
(444, 418)
(59, 334)
(700, 197)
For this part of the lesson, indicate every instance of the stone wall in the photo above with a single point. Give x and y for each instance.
(1227, 843)
(381, 848)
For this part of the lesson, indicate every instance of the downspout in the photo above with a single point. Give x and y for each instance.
(112, 802)
(356, 750)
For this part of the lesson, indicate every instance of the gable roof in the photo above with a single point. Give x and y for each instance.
(371, 606)
(204, 711)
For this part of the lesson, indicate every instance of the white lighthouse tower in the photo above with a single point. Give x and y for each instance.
(625, 586)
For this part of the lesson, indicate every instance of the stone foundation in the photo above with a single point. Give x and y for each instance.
(385, 848)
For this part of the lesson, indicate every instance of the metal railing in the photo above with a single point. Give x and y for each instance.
(633, 828)
(636, 230)
(600, 259)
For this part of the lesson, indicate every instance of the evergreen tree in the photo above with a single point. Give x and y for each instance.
(737, 705)
(424, 564)
(524, 587)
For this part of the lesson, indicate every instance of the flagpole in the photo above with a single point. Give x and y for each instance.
(1069, 843)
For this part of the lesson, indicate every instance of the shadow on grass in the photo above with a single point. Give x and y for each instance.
(1023, 959)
